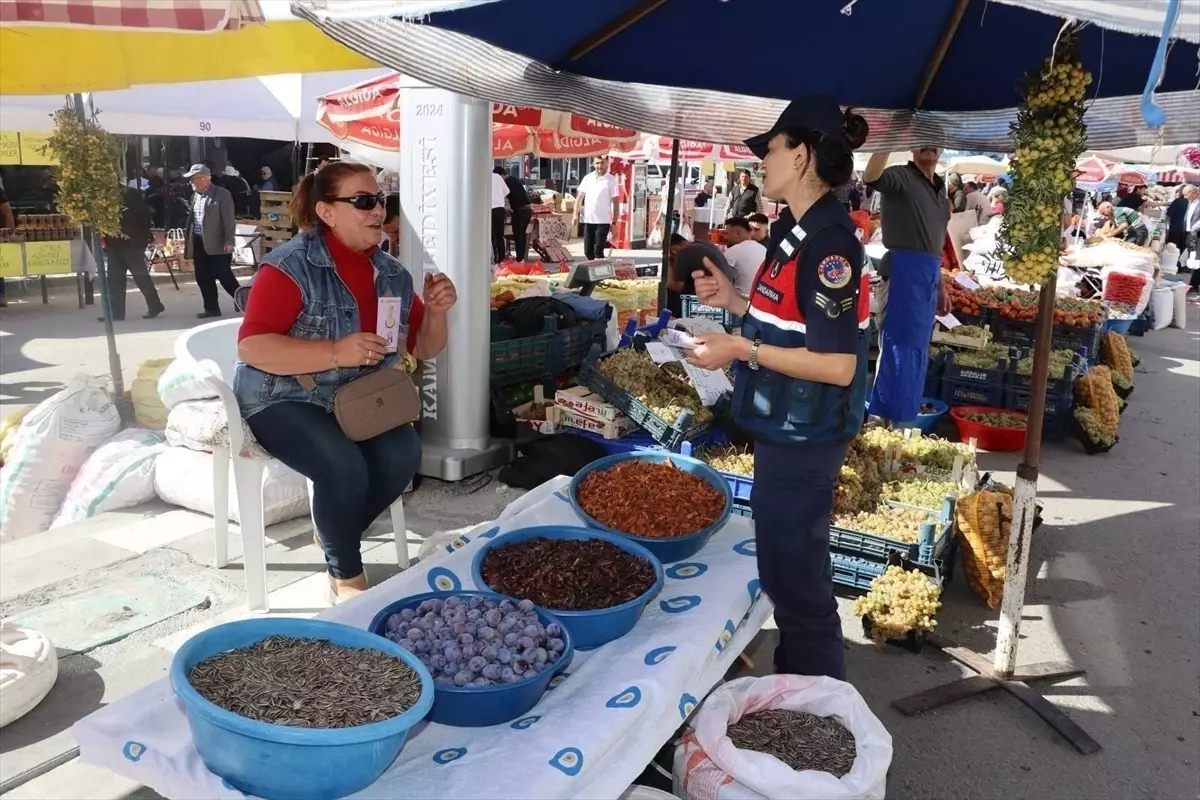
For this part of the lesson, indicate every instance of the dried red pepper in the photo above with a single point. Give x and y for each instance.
(647, 499)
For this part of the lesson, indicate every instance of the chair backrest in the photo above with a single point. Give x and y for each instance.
(214, 341)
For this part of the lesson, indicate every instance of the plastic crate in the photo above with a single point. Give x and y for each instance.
(522, 359)
(969, 393)
(650, 330)
(692, 307)
(857, 573)
(935, 541)
(960, 374)
(1059, 386)
(669, 435)
(572, 345)
(640, 440)
(1062, 337)
(1056, 419)
(742, 509)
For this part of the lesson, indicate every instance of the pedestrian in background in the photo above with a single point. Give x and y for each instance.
(212, 225)
(597, 204)
(128, 256)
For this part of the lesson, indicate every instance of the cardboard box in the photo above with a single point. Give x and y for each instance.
(547, 425)
(609, 429)
(584, 401)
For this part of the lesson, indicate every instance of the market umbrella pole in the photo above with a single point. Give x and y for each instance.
(1004, 674)
(93, 241)
(668, 228)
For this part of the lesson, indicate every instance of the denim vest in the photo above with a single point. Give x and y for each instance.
(777, 408)
(328, 312)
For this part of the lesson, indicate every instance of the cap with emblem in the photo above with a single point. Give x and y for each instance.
(817, 112)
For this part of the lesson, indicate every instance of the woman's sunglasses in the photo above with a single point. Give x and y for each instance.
(363, 202)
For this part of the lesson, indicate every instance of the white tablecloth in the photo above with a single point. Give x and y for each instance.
(590, 735)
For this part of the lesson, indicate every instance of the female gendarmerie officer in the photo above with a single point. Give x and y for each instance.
(801, 381)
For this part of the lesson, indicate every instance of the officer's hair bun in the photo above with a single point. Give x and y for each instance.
(854, 128)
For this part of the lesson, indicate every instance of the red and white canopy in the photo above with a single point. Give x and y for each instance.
(1177, 175)
(658, 148)
(369, 113)
(172, 16)
(1092, 170)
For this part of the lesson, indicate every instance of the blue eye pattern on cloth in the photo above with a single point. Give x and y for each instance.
(458, 543)
(726, 635)
(687, 704)
(746, 547)
(678, 605)
(490, 532)
(658, 655)
(557, 680)
(686, 569)
(524, 723)
(443, 580)
(133, 751)
(625, 699)
(449, 754)
(754, 587)
(568, 761)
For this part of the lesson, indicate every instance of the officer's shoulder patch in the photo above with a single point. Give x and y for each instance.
(834, 271)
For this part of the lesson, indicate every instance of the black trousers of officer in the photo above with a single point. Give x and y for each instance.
(792, 500)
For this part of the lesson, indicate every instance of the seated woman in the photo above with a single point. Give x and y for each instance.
(312, 312)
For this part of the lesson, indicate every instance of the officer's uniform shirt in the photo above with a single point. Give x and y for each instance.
(818, 294)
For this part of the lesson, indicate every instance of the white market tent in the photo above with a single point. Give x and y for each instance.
(977, 165)
(281, 107)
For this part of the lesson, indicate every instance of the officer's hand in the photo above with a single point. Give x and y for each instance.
(713, 288)
(715, 350)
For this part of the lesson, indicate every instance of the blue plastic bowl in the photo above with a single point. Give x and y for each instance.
(926, 422)
(589, 629)
(666, 550)
(489, 705)
(1121, 326)
(280, 762)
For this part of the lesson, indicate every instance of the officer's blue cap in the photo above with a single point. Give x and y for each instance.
(817, 112)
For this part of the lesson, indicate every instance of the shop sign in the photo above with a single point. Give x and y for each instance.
(10, 148)
(47, 258)
(10, 260)
(35, 150)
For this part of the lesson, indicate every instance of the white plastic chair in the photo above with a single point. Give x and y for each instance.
(213, 346)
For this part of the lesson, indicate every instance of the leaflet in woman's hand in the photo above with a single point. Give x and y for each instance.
(387, 322)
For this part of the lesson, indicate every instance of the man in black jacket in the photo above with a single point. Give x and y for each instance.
(744, 200)
(129, 255)
(522, 214)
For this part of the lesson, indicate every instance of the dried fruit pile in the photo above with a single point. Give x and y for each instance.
(647, 499)
(567, 574)
(664, 393)
(474, 642)
(899, 601)
(1047, 138)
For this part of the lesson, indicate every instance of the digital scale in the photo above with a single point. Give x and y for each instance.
(586, 274)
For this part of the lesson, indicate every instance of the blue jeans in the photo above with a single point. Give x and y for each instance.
(353, 482)
(792, 499)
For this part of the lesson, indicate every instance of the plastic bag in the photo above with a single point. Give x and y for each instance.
(53, 442)
(30, 668)
(148, 409)
(120, 474)
(184, 478)
(1162, 307)
(708, 766)
(1179, 317)
(201, 425)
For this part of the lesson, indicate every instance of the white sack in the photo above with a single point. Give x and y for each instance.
(184, 380)
(201, 425)
(120, 474)
(184, 478)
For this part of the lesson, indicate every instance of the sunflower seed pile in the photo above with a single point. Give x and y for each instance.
(307, 683)
(802, 741)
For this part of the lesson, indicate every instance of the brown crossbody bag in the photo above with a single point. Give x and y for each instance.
(373, 404)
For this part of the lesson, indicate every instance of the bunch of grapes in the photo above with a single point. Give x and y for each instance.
(1092, 426)
(899, 601)
(1048, 136)
(997, 420)
(1120, 382)
(1116, 355)
(474, 642)
(900, 524)
(971, 331)
(916, 490)
(983, 358)
(664, 393)
(929, 451)
(1094, 391)
(1057, 367)
(730, 458)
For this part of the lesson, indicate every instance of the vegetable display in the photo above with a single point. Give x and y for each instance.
(729, 458)
(927, 451)
(997, 420)
(647, 499)
(1125, 287)
(1056, 367)
(476, 642)
(917, 490)
(1047, 138)
(901, 524)
(987, 357)
(665, 394)
(899, 601)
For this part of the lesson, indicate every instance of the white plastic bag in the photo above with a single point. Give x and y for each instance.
(1162, 307)
(52, 443)
(708, 767)
(28, 670)
(1179, 317)
(148, 409)
(120, 474)
(201, 425)
(184, 478)
(184, 380)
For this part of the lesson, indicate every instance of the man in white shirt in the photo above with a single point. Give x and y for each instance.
(597, 203)
(743, 254)
(499, 193)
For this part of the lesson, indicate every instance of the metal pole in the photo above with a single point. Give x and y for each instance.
(1025, 491)
(93, 240)
(667, 226)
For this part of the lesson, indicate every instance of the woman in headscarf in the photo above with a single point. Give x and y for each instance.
(954, 191)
